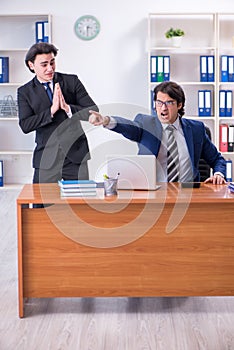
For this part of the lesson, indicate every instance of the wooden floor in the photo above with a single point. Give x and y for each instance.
(104, 323)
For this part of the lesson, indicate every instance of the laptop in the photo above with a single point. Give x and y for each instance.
(136, 172)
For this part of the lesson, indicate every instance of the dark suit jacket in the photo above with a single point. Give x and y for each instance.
(59, 131)
(147, 131)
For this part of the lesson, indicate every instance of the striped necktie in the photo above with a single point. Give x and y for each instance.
(172, 156)
(48, 90)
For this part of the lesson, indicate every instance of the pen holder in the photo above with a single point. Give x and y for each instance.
(110, 187)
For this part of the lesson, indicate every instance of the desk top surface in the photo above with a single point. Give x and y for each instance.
(169, 193)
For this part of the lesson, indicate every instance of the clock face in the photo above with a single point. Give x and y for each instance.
(87, 27)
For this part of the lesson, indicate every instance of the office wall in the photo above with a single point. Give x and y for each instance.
(113, 66)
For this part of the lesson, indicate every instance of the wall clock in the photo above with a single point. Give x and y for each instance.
(87, 27)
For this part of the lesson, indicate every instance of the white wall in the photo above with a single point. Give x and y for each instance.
(113, 67)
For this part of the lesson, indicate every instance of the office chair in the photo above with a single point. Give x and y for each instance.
(204, 168)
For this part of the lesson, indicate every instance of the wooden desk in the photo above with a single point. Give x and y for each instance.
(120, 247)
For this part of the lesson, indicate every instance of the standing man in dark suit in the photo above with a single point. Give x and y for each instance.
(54, 112)
(150, 132)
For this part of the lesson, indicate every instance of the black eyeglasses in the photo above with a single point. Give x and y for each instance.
(169, 103)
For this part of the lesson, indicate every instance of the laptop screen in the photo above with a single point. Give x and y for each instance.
(136, 172)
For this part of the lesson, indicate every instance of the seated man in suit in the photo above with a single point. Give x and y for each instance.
(54, 112)
(188, 137)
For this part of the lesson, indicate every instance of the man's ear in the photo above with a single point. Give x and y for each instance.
(31, 65)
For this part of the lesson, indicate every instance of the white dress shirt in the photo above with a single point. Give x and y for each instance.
(185, 165)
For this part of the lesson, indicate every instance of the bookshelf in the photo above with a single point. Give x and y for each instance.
(205, 34)
(18, 33)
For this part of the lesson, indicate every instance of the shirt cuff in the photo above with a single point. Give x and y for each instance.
(69, 113)
(219, 173)
(112, 123)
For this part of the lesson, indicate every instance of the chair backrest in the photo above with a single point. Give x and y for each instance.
(204, 168)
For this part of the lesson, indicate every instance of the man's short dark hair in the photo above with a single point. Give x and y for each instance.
(39, 49)
(174, 91)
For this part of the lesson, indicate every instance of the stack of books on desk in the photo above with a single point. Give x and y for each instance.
(77, 188)
(231, 187)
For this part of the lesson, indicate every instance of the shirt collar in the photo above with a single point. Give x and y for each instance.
(176, 124)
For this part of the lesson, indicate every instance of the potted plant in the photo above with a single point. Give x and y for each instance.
(175, 35)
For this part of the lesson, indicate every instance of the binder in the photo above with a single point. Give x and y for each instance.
(201, 103)
(222, 103)
(223, 137)
(228, 105)
(224, 68)
(153, 69)
(210, 68)
(231, 138)
(46, 32)
(207, 104)
(4, 69)
(42, 31)
(1, 173)
(231, 68)
(203, 68)
(153, 110)
(160, 75)
(166, 68)
(229, 170)
(39, 32)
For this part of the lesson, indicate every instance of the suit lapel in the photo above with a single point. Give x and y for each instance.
(157, 131)
(188, 137)
(40, 92)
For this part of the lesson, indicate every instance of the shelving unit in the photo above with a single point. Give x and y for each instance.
(205, 34)
(17, 35)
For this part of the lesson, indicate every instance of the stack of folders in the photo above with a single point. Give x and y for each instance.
(231, 187)
(225, 103)
(159, 68)
(77, 188)
(226, 137)
(207, 68)
(227, 68)
(204, 103)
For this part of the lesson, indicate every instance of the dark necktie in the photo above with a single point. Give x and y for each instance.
(172, 156)
(48, 90)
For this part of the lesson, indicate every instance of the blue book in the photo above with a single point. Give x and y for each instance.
(224, 68)
(1, 173)
(203, 68)
(153, 69)
(222, 103)
(77, 183)
(210, 68)
(4, 69)
(166, 68)
(201, 103)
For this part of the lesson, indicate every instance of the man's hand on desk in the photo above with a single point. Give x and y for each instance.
(216, 179)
